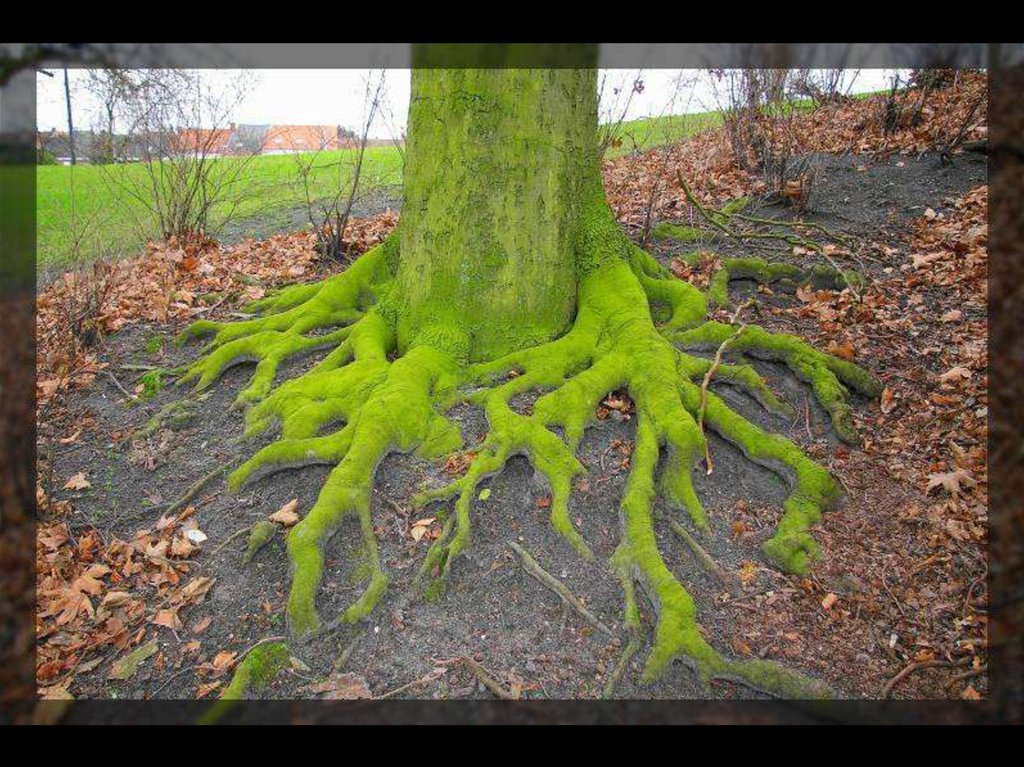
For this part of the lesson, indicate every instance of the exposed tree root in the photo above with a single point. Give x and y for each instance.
(547, 579)
(727, 580)
(361, 402)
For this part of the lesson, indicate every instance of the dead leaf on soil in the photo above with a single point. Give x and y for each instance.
(343, 687)
(126, 666)
(888, 400)
(950, 481)
(286, 515)
(77, 482)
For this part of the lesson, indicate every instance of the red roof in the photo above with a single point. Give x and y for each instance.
(206, 141)
(300, 138)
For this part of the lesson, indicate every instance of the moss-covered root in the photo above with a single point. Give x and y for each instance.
(676, 633)
(791, 547)
(828, 376)
(767, 273)
(291, 324)
(677, 304)
(255, 671)
(398, 415)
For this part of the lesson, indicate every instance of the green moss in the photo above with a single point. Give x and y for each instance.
(771, 272)
(666, 231)
(154, 344)
(173, 415)
(152, 383)
(828, 376)
(256, 670)
(734, 206)
(259, 536)
(497, 164)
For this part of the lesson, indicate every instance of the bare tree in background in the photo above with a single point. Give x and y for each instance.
(612, 116)
(180, 128)
(329, 215)
(760, 110)
(113, 89)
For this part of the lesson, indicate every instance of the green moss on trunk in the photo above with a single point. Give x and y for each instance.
(496, 166)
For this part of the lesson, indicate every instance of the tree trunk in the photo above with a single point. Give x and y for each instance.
(497, 166)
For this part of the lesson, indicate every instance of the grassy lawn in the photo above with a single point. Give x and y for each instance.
(111, 222)
(650, 132)
(107, 220)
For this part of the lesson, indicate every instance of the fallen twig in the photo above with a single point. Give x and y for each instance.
(486, 679)
(729, 580)
(117, 383)
(425, 679)
(546, 578)
(234, 536)
(912, 667)
(195, 488)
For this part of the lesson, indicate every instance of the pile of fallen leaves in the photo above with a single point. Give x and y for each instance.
(171, 282)
(928, 119)
(903, 584)
(99, 599)
(643, 188)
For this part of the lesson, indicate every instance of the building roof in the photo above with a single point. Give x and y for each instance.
(207, 141)
(300, 138)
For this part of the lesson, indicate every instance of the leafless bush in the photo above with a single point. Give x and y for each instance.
(329, 215)
(179, 133)
(824, 87)
(78, 298)
(904, 105)
(614, 109)
(760, 113)
(87, 287)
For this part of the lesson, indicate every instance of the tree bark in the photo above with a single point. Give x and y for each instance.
(498, 165)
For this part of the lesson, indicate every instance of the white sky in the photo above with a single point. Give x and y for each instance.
(337, 96)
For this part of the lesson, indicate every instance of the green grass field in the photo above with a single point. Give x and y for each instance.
(108, 221)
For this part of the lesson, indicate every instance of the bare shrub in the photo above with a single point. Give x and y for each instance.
(759, 114)
(179, 130)
(329, 214)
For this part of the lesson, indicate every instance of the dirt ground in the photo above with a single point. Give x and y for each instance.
(493, 611)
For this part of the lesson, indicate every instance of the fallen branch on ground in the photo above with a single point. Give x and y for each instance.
(912, 667)
(533, 568)
(194, 489)
(727, 579)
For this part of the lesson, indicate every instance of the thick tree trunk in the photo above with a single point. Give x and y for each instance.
(498, 164)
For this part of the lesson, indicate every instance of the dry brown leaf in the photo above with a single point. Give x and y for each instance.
(77, 482)
(950, 481)
(343, 687)
(168, 618)
(286, 515)
(887, 400)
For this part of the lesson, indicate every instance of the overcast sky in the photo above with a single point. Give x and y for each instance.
(338, 96)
